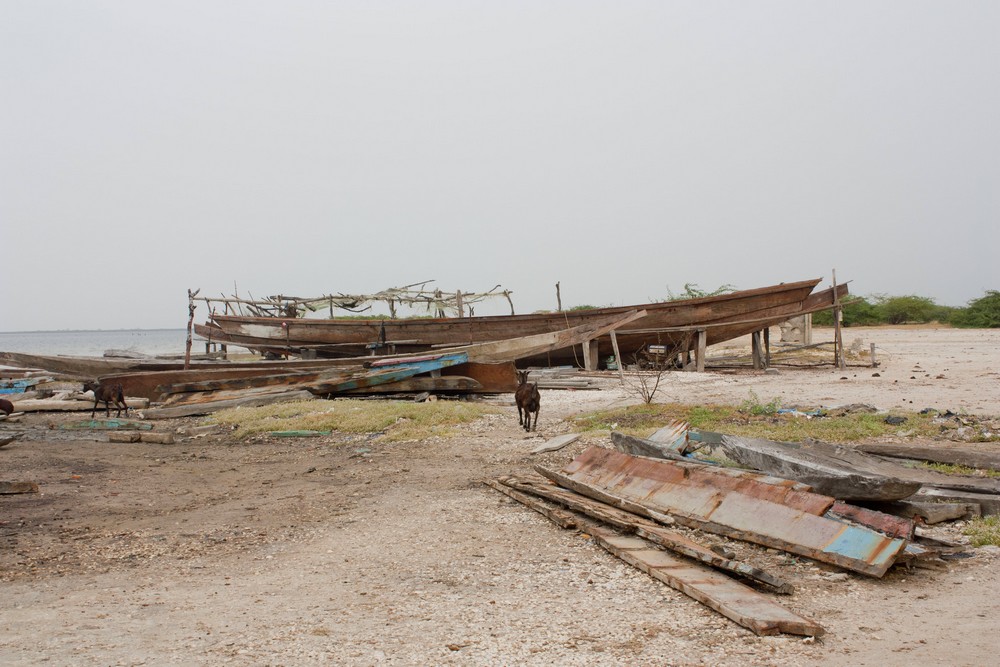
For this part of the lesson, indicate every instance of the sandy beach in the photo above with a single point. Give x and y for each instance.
(345, 550)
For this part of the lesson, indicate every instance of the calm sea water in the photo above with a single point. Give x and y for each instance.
(94, 343)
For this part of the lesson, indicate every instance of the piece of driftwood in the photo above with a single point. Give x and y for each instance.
(214, 406)
(648, 530)
(950, 453)
(11, 488)
(752, 513)
(736, 601)
(989, 503)
(823, 468)
(555, 443)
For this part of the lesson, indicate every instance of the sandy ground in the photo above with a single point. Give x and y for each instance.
(349, 551)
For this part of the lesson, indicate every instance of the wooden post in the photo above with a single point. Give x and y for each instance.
(191, 307)
(872, 355)
(558, 299)
(458, 301)
(590, 355)
(618, 357)
(702, 349)
(755, 351)
(838, 338)
(767, 347)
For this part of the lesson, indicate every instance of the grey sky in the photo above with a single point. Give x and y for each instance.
(618, 147)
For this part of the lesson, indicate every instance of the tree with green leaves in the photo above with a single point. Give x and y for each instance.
(981, 313)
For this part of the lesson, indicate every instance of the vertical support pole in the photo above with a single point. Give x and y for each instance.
(558, 299)
(187, 347)
(702, 349)
(807, 330)
(838, 338)
(767, 347)
(755, 351)
(590, 355)
(618, 357)
(458, 301)
(871, 355)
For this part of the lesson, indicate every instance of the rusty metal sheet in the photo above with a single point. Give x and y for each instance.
(704, 482)
(749, 510)
(889, 524)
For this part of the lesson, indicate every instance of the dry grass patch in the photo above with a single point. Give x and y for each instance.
(747, 421)
(393, 420)
(983, 531)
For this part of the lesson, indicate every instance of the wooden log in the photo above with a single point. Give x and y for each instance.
(930, 513)
(950, 454)
(125, 436)
(10, 488)
(989, 503)
(8, 438)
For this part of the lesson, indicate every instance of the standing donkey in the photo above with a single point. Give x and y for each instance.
(528, 401)
(107, 394)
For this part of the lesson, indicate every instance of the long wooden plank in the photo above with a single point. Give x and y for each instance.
(630, 523)
(734, 600)
(822, 469)
(945, 453)
(214, 406)
(740, 514)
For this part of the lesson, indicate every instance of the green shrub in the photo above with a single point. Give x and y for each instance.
(857, 313)
(903, 309)
(981, 313)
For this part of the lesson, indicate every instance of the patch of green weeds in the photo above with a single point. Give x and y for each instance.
(984, 530)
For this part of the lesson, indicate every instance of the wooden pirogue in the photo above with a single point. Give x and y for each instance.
(670, 323)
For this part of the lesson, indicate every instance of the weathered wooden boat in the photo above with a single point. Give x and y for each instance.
(673, 324)
(487, 366)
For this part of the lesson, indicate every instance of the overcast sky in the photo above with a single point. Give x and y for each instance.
(621, 148)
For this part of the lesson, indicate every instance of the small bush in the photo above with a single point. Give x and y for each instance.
(753, 406)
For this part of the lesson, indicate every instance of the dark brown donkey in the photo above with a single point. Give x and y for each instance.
(528, 401)
(107, 394)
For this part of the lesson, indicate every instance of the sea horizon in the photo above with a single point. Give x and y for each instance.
(94, 342)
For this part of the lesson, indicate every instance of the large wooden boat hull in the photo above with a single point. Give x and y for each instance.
(672, 324)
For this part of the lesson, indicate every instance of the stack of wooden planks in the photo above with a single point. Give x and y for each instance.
(632, 505)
